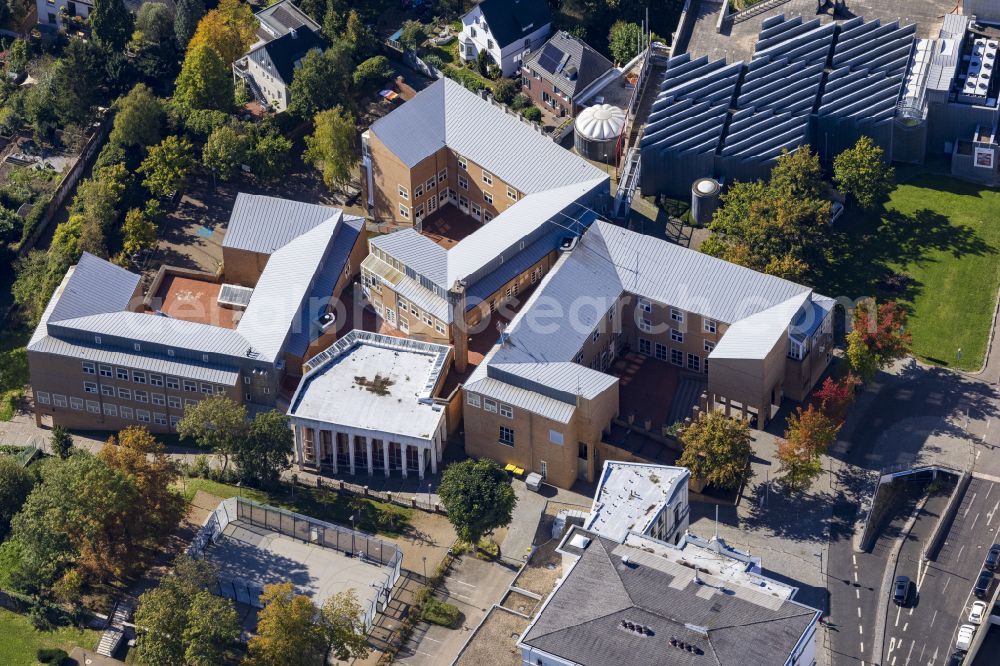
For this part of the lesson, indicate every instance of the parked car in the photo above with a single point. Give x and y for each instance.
(964, 640)
(956, 659)
(992, 558)
(901, 591)
(977, 613)
(983, 583)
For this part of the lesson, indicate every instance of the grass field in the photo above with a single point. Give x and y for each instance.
(940, 238)
(20, 642)
(371, 515)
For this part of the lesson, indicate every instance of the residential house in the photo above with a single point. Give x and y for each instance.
(562, 72)
(52, 12)
(506, 29)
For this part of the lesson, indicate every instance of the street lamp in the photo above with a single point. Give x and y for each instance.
(428, 496)
(425, 567)
(352, 534)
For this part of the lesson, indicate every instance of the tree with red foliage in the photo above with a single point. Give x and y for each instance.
(834, 398)
(809, 434)
(878, 338)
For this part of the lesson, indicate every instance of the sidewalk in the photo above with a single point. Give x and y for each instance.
(517, 544)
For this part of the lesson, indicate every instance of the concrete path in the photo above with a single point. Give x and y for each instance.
(516, 545)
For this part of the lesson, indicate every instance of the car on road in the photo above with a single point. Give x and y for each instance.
(901, 591)
(982, 585)
(956, 659)
(964, 640)
(992, 558)
(978, 612)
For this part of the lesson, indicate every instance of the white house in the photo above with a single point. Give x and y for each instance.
(506, 29)
(50, 11)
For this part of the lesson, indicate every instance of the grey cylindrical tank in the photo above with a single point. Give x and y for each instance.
(704, 199)
(596, 131)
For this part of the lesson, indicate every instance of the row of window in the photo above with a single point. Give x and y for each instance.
(463, 164)
(138, 347)
(109, 409)
(140, 377)
(707, 325)
(430, 184)
(475, 400)
(426, 317)
(694, 363)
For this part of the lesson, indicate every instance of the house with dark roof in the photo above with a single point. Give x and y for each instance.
(561, 72)
(285, 34)
(506, 29)
(105, 356)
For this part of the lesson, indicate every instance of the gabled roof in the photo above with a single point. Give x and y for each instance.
(513, 20)
(262, 224)
(570, 64)
(446, 114)
(95, 286)
(280, 55)
(278, 19)
(755, 336)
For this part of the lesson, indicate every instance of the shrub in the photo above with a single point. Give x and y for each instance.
(467, 79)
(520, 101)
(532, 113)
(373, 69)
(200, 467)
(435, 61)
(505, 90)
(51, 655)
(34, 217)
(441, 613)
(493, 72)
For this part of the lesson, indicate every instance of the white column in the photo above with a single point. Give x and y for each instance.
(402, 456)
(350, 451)
(385, 457)
(368, 451)
(297, 430)
(333, 449)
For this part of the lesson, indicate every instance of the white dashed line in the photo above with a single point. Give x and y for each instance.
(859, 611)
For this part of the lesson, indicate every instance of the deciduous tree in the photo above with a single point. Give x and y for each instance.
(205, 81)
(623, 40)
(863, 174)
(878, 338)
(478, 497)
(717, 450)
(331, 147)
(167, 165)
(97, 198)
(413, 35)
(798, 467)
(15, 485)
(374, 69)
(138, 233)
(140, 118)
(834, 398)
(186, 18)
(229, 30)
(266, 450)
(343, 619)
(225, 151)
(358, 36)
(321, 81)
(271, 154)
(289, 630)
(155, 23)
(217, 423)
(112, 24)
(61, 442)
(811, 430)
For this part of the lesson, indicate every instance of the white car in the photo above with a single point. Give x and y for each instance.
(978, 612)
(964, 640)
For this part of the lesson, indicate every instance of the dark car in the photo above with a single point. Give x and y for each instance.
(983, 583)
(901, 591)
(992, 558)
(956, 659)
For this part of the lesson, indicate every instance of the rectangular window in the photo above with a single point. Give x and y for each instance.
(419, 211)
(404, 211)
(206, 388)
(709, 346)
(105, 370)
(462, 164)
(676, 335)
(645, 305)
(188, 402)
(173, 383)
(141, 396)
(442, 176)
(645, 347)
(174, 401)
(418, 191)
(645, 325)
(174, 420)
(488, 198)
(556, 437)
(107, 389)
(76, 403)
(43, 398)
(93, 407)
(127, 413)
(88, 368)
(473, 399)
(122, 374)
(90, 387)
(487, 216)
(58, 400)
(159, 419)
(490, 405)
(487, 177)
(660, 351)
(463, 201)
(124, 393)
(136, 346)
(403, 193)
(694, 362)
(110, 409)
(142, 415)
(438, 326)
(677, 357)
(506, 411)
(676, 314)
(139, 377)
(156, 380)
(463, 182)
(596, 334)
(158, 399)
(709, 326)
(190, 385)
(506, 436)
(431, 182)
(511, 194)
(476, 210)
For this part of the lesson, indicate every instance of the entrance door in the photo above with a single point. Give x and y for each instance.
(545, 470)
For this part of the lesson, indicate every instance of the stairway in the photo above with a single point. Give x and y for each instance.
(113, 635)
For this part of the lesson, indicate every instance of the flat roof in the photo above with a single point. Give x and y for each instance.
(195, 300)
(375, 383)
(630, 496)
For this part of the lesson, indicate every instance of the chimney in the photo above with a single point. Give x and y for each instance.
(459, 330)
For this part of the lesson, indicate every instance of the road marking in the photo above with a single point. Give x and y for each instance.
(968, 508)
(859, 611)
(989, 516)
(461, 582)
(854, 559)
(861, 630)
(960, 553)
(946, 581)
(908, 654)
(905, 625)
(428, 638)
(862, 648)
(898, 611)
(857, 593)
(974, 522)
(855, 576)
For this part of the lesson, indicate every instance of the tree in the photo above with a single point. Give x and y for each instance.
(186, 18)
(413, 35)
(10, 225)
(504, 90)
(344, 622)
(205, 81)
(140, 117)
(217, 423)
(271, 155)
(98, 197)
(717, 450)
(155, 23)
(33, 284)
(321, 81)
(358, 36)
(167, 166)
(799, 174)
(811, 430)
(878, 338)
(863, 174)
(77, 76)
(138, 233)
(483, 59)
(834, 398)
(478, 497)
(229, 30)
(289, 631)
(61, 442)
(265, 452)
(799, 468)
(225, 151)
(330, 147)
(623, 40)
(212, 627)
(377, 68)
(18, 54)
(15, 485)
(112, 24)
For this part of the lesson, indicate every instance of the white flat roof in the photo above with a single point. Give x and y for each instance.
(335, 392)
(631, 495)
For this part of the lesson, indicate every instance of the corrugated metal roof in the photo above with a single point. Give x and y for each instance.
(562, 380)
(418, 252)
(263, 224)
(446, 114)
(94, 286)
(534, 402)
(755, 336)
(153, 329)
(409, 288)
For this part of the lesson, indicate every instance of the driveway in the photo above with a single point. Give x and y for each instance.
(473, 586)
(517, 544)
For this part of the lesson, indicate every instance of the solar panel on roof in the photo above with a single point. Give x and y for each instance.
(550, 58)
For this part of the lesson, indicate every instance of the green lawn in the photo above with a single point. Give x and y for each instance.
(20, 642)
(371, 515)
(934, 249)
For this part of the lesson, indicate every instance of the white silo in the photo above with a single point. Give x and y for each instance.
(596, 130)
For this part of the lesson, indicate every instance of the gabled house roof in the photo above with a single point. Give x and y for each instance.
(512, 20)
(279, 56)
(263, 224)
(568, 63)
(278, 19)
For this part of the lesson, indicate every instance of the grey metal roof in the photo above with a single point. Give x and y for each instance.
(581, 620)
(446, 114)
(94, 287)
(263, 224)
(417, 252)
(534, 402)
(947, 52)
(281, 17)
(579, 66)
